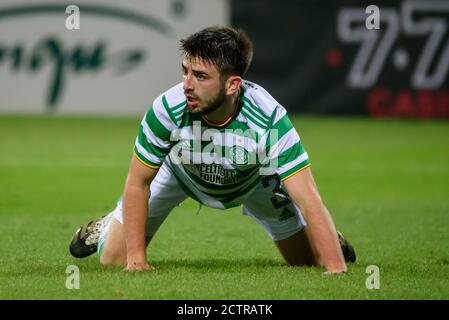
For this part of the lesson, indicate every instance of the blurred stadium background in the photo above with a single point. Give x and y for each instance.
(370, 105)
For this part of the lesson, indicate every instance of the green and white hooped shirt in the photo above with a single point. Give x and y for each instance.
(220, 165)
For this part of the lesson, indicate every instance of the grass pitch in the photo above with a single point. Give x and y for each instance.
(385, 182)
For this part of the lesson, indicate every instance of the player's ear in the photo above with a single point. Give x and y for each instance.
(233, 84)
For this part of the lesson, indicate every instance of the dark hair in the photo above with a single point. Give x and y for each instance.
(228, 49)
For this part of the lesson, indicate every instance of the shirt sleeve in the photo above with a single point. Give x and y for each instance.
(153, 140)
(284, 149)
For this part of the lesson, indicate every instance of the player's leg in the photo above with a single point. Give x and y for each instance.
(270, 206)
(165, 195)
(297, 249)
(299, 242)
(110, 242)
(112, 249)
(112, 246)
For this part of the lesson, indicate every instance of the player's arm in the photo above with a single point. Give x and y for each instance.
(303, 191)
(135, 211)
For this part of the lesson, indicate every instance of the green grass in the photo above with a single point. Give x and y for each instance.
(386, 183)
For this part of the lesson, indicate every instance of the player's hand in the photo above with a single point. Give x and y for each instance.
(133, 266)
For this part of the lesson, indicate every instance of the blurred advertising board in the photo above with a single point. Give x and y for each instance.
(333, 57)
(116, 60)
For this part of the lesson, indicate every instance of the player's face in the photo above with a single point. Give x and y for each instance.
(203, 86)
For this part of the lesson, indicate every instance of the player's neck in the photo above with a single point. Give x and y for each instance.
(225, 112)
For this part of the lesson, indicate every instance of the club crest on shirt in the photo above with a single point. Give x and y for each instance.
(238, 155)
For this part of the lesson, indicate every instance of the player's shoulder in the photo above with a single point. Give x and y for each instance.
(174, 97)
(171, 104)
(257, 97)
(259, 105)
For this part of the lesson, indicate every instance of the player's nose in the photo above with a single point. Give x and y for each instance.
(187, 83)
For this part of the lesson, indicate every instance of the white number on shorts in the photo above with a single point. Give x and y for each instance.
(278, 192)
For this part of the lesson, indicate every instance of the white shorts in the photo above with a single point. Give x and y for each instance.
(268, 204)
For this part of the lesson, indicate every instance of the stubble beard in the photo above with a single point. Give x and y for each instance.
(211, 105)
